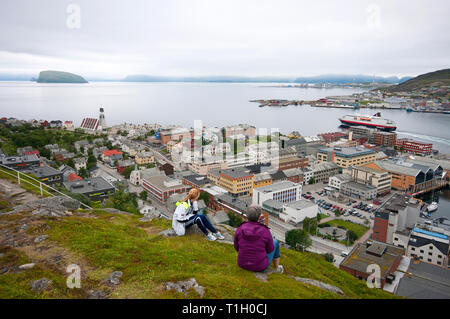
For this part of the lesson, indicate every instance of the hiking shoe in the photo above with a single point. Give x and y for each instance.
(211, 237)
(219, 235)
(280, 269)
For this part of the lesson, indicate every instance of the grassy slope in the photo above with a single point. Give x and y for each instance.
(107, 242)
(422, 81)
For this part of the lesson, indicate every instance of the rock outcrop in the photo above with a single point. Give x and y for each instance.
(51, 206)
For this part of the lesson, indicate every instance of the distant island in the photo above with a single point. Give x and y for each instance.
(59, 77)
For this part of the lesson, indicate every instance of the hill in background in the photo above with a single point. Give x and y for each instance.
(59, 77)
(437, 79)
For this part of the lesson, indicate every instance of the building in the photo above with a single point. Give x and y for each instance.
(47, 175)
(106, 156)
(397, 215)
(377, 178)
(429, 244)
(101, 120)
(323, 171)
(167, 168)
(284, 192)
(294, 175)
(346, 156)
(387, 139)
(414, 147)
(357, 190)
(162, 186)
(238, 181)
(175, 134)
(97, 189)
(337, 180)
(409, 176)
(262, 179)
(21, 163)
(307, 175)
(333, 136)
(386, 256)
(202, 168)
(144, 158)
(292, 162)
(196, 181)
(89, 124)
(80, 162)
(233, 205)
(68, 125)
(123, 164)
(296, 212)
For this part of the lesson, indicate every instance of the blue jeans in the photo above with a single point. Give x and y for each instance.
(202, 222)
(275, 253)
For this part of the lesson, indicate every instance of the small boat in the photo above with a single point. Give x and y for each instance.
(409, 109)
(432, 207)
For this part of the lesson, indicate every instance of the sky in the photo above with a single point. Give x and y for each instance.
(111, 39)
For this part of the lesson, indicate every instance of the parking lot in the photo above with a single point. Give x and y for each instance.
(354, 210)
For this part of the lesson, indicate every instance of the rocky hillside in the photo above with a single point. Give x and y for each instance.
(437, 79)
(126, 256)
(59, 77)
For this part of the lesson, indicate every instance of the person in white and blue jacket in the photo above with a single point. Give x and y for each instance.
(186, 215)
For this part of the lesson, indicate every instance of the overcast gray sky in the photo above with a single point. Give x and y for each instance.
(228, 37)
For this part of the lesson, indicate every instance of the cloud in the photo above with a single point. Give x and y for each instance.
(200, 37)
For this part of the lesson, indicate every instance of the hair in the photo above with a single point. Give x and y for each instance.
(193, 194)
(253, 213)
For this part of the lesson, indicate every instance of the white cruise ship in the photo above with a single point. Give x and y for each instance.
(375, 121)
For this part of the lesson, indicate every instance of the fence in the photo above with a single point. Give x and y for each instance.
(43, 188)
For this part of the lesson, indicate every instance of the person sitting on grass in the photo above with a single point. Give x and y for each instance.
(186, 215)
(255, 245)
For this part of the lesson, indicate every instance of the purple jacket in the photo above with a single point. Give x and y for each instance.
(253, 241)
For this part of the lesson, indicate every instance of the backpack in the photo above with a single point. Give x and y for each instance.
(181, 213)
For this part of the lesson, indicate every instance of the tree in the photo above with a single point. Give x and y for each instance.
(235, 220)
(328, 257)
(127, 171)
(310, 224)
(298, 239)
(205, 197)
(123, 200)
(311, 181)
(70, 162)
(143, 195)
(352, 236)
(91, 161)
(82, 172)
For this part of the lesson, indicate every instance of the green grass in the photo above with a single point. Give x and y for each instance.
(112, 242)
(358, 229)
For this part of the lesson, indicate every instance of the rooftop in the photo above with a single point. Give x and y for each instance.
(347, 151)
(358, 186)
(276, 187)
(300, 204)
(381, 254)
(44, 171)
(238, 172)
(88, 185)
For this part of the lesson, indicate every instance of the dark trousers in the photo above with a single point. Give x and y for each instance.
(202, 222)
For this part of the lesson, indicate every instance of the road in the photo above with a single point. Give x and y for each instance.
(279, 228)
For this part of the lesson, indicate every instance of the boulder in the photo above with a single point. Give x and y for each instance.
(114, 277)
(168, 233)
(27, 266)
(184, 286)
(41, 284)
(40, 238)
(50, 206)
(97, 294)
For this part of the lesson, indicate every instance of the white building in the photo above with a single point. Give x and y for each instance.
(284, 192)
(296, 212)
(430, 244)
(337, 180)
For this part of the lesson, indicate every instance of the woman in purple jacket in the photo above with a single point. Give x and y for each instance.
(255, 245)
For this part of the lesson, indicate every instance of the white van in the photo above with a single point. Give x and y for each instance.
(344, 253)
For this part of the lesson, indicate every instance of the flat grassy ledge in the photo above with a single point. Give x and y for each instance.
(102, 242)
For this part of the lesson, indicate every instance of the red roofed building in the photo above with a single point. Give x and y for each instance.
(36, 152)
(73, 177)
(108, 153)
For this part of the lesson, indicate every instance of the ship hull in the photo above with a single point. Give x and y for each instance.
(371, 125)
